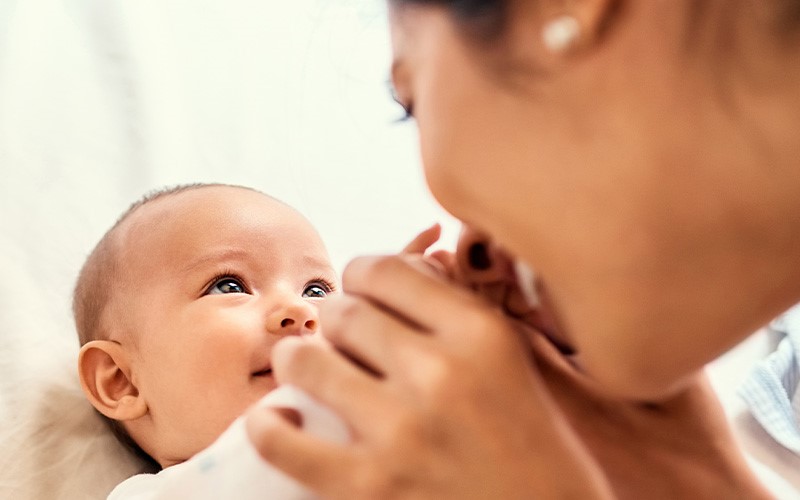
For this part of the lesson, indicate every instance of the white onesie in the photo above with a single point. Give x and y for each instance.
(231, 467)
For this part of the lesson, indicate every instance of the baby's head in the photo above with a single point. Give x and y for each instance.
(179, 305)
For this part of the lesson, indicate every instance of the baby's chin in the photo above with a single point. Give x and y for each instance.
(195, 434)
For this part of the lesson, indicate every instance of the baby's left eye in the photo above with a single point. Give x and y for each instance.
(316, 291)
(227, 284)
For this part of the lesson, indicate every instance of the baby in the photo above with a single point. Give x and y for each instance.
(177, 310)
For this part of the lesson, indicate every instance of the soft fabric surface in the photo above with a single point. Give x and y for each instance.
(778, 468)
(101, 101)
(770, 390)
(232, 468)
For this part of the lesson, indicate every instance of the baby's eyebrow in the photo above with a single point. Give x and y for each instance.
(211, 258)
(316, 262)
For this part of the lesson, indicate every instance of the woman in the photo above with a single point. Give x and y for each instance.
(643, 157)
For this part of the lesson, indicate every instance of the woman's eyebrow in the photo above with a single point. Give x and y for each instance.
(398, 84)
(398, 65)
(395, 68)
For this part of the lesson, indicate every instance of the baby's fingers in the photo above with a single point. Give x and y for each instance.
(424, 240)
(480, 260)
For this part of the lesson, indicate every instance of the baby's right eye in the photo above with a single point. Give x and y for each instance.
(227, 284)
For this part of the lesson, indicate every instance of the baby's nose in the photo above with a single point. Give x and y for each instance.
(296, 318)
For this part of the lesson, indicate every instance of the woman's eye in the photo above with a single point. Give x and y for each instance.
(408, 113)
(315, 292)
(408, 108)
(226, 285)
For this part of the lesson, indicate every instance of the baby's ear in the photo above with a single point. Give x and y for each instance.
(106, 380)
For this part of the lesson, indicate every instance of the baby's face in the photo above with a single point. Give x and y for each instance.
(212, 279)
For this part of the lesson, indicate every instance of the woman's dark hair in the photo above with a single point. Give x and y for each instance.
(482, 18)
(792, 14)
(467, 8)
(487, 17)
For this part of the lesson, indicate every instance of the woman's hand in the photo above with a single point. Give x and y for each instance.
(444, 402)
(438, 389)
(482, 266)
(686, 437)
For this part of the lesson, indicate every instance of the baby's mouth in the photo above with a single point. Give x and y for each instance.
(266, 372)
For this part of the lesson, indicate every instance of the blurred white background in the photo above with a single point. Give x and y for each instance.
(104, 100)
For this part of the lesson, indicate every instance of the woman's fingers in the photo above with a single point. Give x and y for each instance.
(422, 298)
(330, 378)
(369, 335)
(318, 464)
(442, 393)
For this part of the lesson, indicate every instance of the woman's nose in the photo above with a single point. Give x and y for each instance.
(293, 318)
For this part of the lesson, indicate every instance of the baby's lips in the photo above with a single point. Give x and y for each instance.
(263, 372)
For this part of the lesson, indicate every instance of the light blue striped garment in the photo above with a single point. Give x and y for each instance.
(771, 390)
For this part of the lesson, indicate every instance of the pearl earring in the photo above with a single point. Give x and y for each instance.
(561, 33)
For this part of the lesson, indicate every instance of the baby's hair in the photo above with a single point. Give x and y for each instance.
(96, 285)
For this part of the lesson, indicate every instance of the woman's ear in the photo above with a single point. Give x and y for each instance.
(576, 24)
(596, 15)
(568, 26)
(106, 380)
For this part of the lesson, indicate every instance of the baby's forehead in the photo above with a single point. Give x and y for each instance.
(192, 220)
(207, 198)
(208, 203)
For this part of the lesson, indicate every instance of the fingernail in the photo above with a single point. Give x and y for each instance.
(479, 257)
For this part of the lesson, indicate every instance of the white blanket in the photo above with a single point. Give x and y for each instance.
(231, 467)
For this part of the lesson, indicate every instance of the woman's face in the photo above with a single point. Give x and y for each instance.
(618, 170)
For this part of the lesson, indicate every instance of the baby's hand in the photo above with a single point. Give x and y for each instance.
(440, 262)
(489, 269)
(486, 268)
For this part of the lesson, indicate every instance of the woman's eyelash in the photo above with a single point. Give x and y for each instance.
(409, 113)
(408, 108)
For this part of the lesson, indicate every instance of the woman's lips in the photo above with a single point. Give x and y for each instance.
(553, 330)
(526, 280)
(543, 318)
